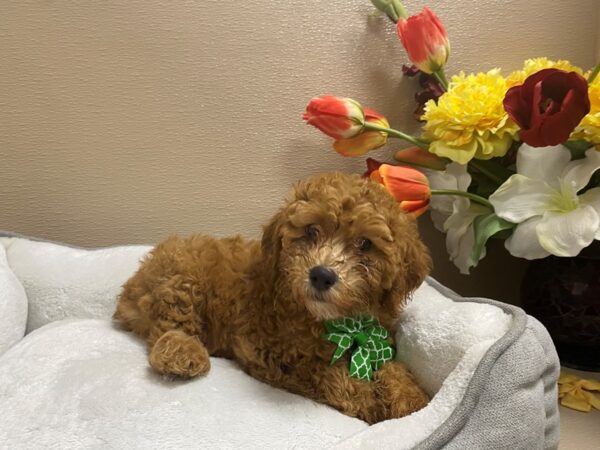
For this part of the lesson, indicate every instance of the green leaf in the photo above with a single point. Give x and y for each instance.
(492, 168)
(485, 227)
(577, 148)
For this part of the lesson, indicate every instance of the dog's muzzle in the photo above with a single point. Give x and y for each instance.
(322, 278)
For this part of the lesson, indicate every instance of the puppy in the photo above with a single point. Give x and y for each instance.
(341, 246)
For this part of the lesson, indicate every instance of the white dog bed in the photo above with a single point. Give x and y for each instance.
(77, 381)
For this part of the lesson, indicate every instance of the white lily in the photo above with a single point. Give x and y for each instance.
(455, 215)
(542, 198)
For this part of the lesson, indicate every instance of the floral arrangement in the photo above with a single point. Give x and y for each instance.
(505, 156)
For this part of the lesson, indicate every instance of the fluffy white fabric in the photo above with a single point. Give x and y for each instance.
(13, 306)
(64, 282)
(436, 333)
(82, 384)
(88, 385)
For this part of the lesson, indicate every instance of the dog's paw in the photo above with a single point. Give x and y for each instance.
(398, 391)
(176, 353)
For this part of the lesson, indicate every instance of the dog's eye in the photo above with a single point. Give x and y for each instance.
(364, 245)
(311, 231)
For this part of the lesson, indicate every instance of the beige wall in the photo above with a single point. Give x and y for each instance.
(124, 121)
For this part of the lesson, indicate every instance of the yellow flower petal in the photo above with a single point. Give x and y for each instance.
(573, 392)
(361, 144)
(460, 154)
(589, 127)
(590, 385)
(535, 65)
(593, 400)
(576, 403)
(566, 377)
(469, 120)
(564, 389)
(365, 141)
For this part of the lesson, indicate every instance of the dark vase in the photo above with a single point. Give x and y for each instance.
(564, 294)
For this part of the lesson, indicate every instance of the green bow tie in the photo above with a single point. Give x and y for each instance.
(364, 333)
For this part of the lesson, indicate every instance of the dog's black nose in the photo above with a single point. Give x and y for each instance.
(322, 278)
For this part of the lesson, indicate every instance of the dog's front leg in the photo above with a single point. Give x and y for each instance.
(331, 385)
(392, 393)
(398, 391)
(353, 397)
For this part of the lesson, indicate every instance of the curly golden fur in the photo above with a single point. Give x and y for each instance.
(258, 303)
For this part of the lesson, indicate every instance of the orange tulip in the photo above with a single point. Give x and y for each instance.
(338, 117)
(408, 186)
(416, 156)
(365, 141)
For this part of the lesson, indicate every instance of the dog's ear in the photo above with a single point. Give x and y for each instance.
(411, 266)
(271, 246)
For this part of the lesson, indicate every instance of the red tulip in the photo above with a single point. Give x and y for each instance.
(408, 186)
(372, 165)
(340, 118)
(365, 141)
(425, 40)
(430, 88)
(548, 106)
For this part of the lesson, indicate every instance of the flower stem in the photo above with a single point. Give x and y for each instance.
(441, 77)
(469, 195)
(399, 9)
(398, 134)
(391, 13)
(592, 76)
(577, 148)
(484, 170)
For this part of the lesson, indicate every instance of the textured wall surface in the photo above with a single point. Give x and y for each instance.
(125, 121)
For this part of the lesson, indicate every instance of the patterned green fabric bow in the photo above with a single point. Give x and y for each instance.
(367, 337)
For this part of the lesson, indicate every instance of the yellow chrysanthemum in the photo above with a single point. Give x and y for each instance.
(469, 121)
(589, 127)
(534, 65)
